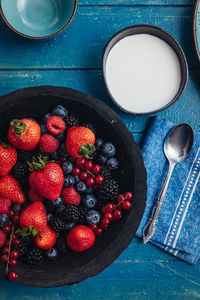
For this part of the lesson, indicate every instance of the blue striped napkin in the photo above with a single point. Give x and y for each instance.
(178, 225)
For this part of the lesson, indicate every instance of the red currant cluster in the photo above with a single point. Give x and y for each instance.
(112, 212)
(88, 172)
(10, 255)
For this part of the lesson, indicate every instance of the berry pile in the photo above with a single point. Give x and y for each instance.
(58, 189)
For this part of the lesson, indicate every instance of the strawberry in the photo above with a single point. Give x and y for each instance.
(24, 134)
(46, 178)
(80, 238)
(10, 188)
(48, 143)
(34, 216)
(47, 238)
(56, 125)
(2, 239)
(34, 196)
(8, 158)
(71, 196)
(80, 142)
(5, 203)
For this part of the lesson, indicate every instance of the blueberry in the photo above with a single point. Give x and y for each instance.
(61, 137)
(60, 209)
(58, 201)
(98, 144)
(60, 111)
(108, 149)
(54, 155)
(4, 220)
(67, 167)
(93, 217)
(51, 254)
(81, 187)
(90, 201)
(102, 159)
(112, 163)
(62, 151)
(69, 181)
(89, 190)
(43, 129)
(69, 226)
(76, 178)
(46, 117)
(49, 217)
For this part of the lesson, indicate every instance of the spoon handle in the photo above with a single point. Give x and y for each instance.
(149, 228)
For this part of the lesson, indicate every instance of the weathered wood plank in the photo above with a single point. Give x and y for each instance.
(74, 47)
(136, 2)
(91, 82)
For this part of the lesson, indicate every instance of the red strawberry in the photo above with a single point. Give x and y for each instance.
(46, 178)
(71, 196)
(46, 239)
(2, 239)
(80, 238)
(24, 134)
(34, 196)
(10, 188)
(5, 203)
(8, 158)
(80, 142)
(35, 216)
(48, 143)
(56, 125)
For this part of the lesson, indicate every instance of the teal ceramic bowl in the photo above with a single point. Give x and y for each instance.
(38, 19)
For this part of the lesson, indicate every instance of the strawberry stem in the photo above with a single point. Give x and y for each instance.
(87, 150)
(29, 230)
(38, 163)
(18, 126)
(5, 145)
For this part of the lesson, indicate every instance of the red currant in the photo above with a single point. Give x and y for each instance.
(128, 196)
(80, 162)
(84, 176)
(99, 179)
(93, 227)
(127, 204)
(105, 222)
(88, 165)
(6, 229)
(96, 169)
(15, 219)
(98, 231)
(14, 236)
(11, 213)
(12, 262)
(14, 254)
(16, 242)
(4, 257)
(90, 181)
(5, 250)
(7, 243)
(120, 197)
(117, 214)
(109, 207)
(13, 275)
(108, 216)
(76, 171)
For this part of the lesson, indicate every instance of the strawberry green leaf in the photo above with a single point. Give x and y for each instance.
(38, 163)
(18, 126)
(39, 235)
(5, 145)
(87, 150)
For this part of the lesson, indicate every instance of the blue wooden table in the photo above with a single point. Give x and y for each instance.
(73, 59)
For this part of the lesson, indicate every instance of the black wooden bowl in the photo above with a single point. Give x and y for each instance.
(35, 102)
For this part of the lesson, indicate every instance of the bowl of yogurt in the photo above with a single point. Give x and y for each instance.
(144, 69)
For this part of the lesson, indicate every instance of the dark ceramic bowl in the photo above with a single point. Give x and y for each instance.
(35, 102)
(160, 33)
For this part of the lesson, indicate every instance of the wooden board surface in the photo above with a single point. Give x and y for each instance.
(73, 59)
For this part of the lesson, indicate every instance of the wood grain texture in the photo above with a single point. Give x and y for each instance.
(74, 47)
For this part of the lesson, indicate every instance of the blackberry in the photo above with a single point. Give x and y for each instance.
(83, 214)
(71, 120)
(90, 126)
(61, 246)
(105, 173)
(108, 191)
(33, 256)
(57, 224)
(24, 156)
(22, 248)
(71, 214)
(21, 170)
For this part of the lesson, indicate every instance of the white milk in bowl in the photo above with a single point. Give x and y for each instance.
(143, 73)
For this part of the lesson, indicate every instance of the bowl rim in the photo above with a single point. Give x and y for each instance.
(180, 54)
(43, 37)
(127, 231)
(195, 28)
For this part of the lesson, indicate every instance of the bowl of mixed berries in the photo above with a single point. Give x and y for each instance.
(72, 186)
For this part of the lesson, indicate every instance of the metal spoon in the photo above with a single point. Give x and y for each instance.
(177, 146)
